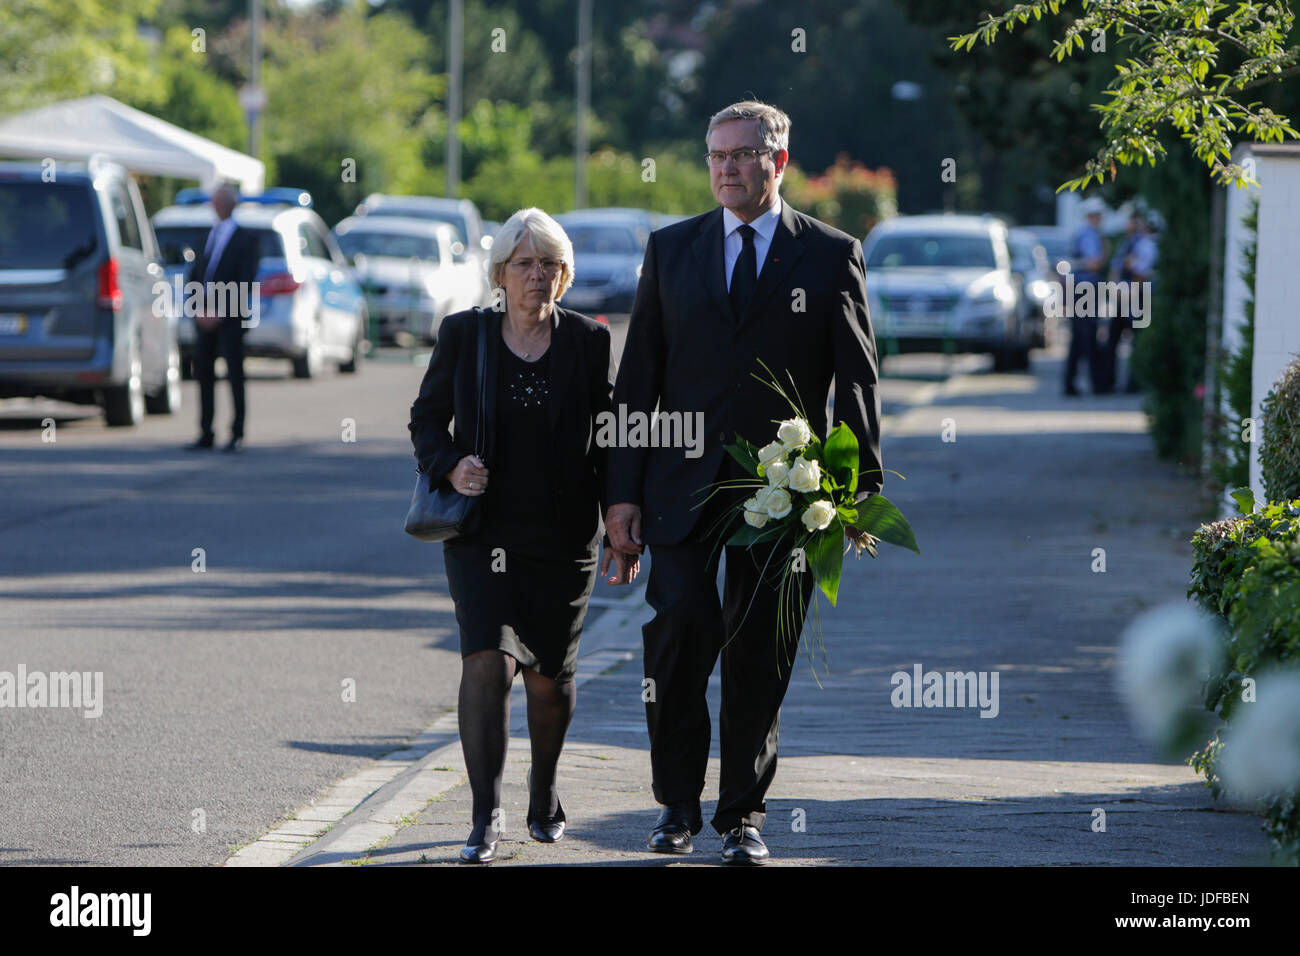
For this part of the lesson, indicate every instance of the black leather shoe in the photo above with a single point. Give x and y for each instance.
(201, 445)
(546, 829)
(677, 824)
(235, 444)
(744, 846)
(479, 852)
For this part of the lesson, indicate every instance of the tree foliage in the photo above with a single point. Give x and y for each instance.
(1194, 64)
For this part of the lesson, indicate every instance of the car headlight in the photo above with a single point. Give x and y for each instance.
(1000, 294)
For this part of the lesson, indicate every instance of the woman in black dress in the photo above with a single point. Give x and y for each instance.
(521, 581)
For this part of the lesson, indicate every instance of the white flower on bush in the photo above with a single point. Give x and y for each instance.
(817, 516)
(1165, 656)
(805, 476)
(794, 433)
(771, 453)
(777, 502)
(778, 474)
(1261, 746)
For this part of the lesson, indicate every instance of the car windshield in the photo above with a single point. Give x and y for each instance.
(391, 244)
(603, 240)
(174, 240)
(1023, 255)
(46, 225)
(396, 209)
(951, 251)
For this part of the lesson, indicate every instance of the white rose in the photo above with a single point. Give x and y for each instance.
(818, 515)
(805, 476)
(777, 503)
(770, 453)
(794, 434)
(755, 516)
(778, 474)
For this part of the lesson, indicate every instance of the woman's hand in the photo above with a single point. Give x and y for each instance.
(629, 565)
(469, 477)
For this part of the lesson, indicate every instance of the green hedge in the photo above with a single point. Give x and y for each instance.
(1247, 573)
(1279, 451)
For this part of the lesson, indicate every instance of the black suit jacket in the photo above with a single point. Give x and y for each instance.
(238, 263)
(686, 351)
(581, 380)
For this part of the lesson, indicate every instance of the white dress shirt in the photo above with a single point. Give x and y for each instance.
(732, 243)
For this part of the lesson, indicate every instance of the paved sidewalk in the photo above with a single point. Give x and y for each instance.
(1008, 517)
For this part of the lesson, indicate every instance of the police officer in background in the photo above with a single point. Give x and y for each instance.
(1134, 263)
(1088, 254)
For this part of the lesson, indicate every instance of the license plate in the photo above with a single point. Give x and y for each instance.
(13, 323)
(913, 320)
(581, 298)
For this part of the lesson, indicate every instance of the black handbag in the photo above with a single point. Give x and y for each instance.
(442, 513)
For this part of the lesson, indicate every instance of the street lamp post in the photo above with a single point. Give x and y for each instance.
(584, 105)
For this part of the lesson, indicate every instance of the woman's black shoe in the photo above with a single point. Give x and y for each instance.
(479, 852)
(546, 829)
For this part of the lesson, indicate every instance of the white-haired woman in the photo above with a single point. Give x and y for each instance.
(521, 581)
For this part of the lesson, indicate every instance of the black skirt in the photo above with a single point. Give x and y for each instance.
(529, 605)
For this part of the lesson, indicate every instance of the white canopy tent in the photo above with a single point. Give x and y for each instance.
(78, 129)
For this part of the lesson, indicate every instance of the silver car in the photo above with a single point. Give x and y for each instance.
(311, 308)
(409, 273)
(945, 284)
(608, 249)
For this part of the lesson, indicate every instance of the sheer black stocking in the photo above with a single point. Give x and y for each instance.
(484, 718)
(550, 708)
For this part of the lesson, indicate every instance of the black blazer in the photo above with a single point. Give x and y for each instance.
(686, 351)
(238, 263)
(581, 381)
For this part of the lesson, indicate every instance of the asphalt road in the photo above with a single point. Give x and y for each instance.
(315, 636)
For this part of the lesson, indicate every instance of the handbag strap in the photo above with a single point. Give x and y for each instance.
(480, 427)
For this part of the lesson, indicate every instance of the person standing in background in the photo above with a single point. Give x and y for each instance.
(230, 255)
(1088, 255)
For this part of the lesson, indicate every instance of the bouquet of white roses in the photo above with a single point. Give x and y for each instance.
(804, 497)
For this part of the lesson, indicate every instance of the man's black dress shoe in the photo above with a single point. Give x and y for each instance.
(677, 824)
(744, 846)
(479, 852)
(200, 445)
(235, 444)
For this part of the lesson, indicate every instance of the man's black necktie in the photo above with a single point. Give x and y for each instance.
(744, 276)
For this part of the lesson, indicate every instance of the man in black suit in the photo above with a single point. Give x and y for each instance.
(751, 280)
(227, 268)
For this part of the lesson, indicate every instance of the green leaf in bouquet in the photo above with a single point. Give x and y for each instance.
(745, 453)
(880, 517)
(747, 535)
(825, 551)
(848, 514)
(841, 452)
